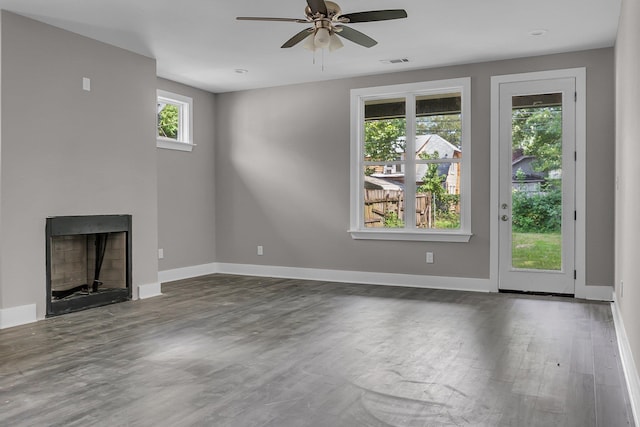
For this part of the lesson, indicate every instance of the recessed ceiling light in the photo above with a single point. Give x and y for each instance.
(394, 61)
(241, 71)
(536, 33)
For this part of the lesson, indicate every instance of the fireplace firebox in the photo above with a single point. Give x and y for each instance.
(88, 262)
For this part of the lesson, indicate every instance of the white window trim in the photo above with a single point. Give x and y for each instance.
(185, 128)
(409, 91)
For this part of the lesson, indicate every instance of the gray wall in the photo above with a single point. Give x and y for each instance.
(66, 151)
(1, 204)
(628, 153)
(186, 196)
(282, 174)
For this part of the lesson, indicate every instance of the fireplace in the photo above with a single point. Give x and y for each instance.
(88, 262)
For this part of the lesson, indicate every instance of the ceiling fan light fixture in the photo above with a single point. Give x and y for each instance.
(538, 32)
(322, 39)
(335, 43)
(309, 43)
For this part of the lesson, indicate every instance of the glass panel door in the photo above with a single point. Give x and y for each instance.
(537, 171)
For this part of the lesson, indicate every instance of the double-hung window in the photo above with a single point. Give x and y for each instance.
(175, 121)
(410, 157)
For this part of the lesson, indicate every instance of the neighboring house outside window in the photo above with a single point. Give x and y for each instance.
(526, 177)
(422, 196)
(174, 121)
(432, 144)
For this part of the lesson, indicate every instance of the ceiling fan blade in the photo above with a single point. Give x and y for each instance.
(375, 15)
(317, 6)
(297, 38)
(356, 36)
(258, 18)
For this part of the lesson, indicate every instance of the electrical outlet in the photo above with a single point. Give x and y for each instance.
(160, 253)
(260, 250)
(429, 258)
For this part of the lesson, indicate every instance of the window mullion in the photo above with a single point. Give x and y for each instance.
(410, 165)
(357, 179)
(185, 118)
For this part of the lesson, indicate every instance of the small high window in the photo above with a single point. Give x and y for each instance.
(175, 121)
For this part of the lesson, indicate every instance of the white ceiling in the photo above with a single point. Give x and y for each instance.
(200, 43)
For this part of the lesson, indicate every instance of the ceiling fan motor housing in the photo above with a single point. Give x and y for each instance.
(333, 10)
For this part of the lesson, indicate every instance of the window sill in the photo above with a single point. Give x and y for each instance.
(431, 236)
(174, 145)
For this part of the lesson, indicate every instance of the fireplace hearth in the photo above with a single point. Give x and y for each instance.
(88, 262)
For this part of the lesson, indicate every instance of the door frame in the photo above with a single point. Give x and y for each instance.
(579, 74)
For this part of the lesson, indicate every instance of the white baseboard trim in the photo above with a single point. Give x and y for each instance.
(16, 316)
(149, 290)
(186, 272)
(360, 277)
(594, 293)
(628, 364)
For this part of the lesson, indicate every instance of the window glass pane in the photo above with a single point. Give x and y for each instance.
(389, 170)
(385, 130)
(438, 195)
(439, 116)
(536, 182)
(168, 120)
(383, 200)
(433, 146)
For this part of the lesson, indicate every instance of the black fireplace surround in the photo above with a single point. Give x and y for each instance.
(97, 231)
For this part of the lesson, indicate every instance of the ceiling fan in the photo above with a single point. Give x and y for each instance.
(328, 22)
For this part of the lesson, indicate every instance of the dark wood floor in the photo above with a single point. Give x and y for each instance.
(237, 351)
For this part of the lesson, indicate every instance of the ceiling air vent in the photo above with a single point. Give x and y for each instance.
(394, 61)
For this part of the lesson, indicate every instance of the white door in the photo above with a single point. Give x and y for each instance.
(537, 185)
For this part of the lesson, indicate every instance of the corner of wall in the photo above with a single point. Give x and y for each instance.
(192, 242)
(149, 290)
(16, 316)
(1, 281)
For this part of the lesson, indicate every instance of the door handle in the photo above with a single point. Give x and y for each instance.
(504, 217)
